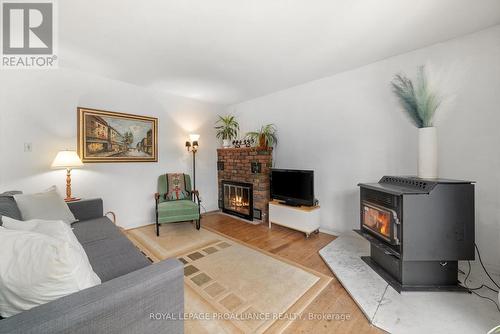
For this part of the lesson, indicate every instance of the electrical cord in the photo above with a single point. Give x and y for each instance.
(204, 209)
(483, 286)
(484, 297)
(467, 276)
(479, 287)
(473, 290)
(201, 205)
(482, 265)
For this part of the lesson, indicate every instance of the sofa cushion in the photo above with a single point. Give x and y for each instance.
(110, 252)
(8, 206)
(177, 208)
(95, 229)
(114, 257)
(87, 209)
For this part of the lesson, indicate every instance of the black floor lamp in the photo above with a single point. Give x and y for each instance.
(192, 145)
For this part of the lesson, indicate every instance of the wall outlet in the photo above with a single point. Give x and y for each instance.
(28, 147)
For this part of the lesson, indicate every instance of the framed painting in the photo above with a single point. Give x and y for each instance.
(106, 136)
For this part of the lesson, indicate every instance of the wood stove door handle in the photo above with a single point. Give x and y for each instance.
(397, 233)
(390, 254)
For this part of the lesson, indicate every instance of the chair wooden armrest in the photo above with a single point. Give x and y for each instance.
(195, 194)
(157, 201)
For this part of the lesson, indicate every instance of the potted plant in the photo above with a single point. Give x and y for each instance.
(265, 137)
(227, 129)
(420, 103)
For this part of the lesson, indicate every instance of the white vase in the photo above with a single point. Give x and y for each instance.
(226, 143)
(427, 153)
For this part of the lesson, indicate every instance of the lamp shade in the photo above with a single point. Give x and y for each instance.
(194, 137)
(67, 159)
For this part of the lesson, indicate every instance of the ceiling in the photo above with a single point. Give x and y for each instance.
(228, 51)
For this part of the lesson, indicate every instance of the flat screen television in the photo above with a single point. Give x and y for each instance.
(294, 187)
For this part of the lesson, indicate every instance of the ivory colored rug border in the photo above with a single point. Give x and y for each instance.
(199, 246)
(300, 305)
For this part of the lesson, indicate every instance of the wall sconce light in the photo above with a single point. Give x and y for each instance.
(192, 143)
(194, 137)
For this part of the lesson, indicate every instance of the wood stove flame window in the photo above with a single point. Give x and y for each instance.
(383, 222)
(238, 199)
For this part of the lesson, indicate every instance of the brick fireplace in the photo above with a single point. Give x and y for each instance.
(250, 166)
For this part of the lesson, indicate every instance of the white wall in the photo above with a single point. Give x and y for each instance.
(349, 129)
(40, 107)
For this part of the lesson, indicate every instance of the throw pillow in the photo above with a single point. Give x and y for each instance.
(8, 206)
(36, 269)
(56, 229)
(47, 205)
(176, 187)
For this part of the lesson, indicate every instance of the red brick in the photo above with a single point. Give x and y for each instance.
(237, 167)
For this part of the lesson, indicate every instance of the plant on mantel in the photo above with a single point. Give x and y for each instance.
(227, 129)
(266, 137)
(420, 103)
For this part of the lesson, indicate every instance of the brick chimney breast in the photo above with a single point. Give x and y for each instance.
(237, 167)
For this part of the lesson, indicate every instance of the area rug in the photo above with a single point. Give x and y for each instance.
(246, 290)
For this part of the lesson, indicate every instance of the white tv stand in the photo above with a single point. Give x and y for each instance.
(300, 218)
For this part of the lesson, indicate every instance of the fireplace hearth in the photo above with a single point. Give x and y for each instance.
(237, 199)
(418, 230)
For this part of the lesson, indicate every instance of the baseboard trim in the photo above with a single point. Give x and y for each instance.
(211, 212)
(330, 232)
(136, 227)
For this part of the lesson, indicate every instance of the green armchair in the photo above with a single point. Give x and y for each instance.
(176, 201)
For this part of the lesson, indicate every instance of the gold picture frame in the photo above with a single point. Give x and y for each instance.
(107, 136)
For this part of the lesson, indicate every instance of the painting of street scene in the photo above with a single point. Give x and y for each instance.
(105, 136)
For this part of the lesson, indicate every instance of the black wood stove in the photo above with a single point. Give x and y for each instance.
(418, 230)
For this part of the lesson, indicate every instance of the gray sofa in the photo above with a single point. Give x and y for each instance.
(134, 293)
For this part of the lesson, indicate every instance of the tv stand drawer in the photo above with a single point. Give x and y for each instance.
(304, 219)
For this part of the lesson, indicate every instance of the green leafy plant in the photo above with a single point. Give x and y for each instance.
(265, 137)
(227, 127)
(418, 100)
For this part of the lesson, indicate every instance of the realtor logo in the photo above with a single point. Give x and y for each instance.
(28, 35)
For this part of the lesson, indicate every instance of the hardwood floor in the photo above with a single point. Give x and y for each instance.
(294, 246)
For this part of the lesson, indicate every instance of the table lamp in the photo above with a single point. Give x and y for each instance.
(68, 160)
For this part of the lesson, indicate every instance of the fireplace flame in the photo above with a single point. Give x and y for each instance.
(377, 220)
(383, 223)
(237, 201)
